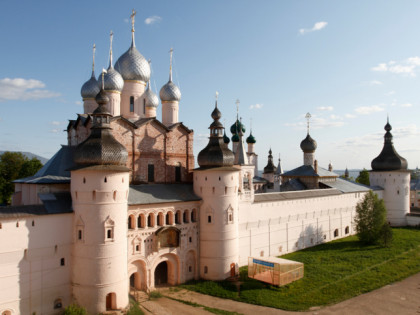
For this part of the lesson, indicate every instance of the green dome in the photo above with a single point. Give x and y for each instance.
(235, 138)
(234, 129)
(225, 138)
(250, 139)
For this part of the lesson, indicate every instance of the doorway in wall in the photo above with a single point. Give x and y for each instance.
(232, 270)
(111, 301)
(161, 273)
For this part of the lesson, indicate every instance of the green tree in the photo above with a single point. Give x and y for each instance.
(363, 177)
(370, 219)
(14, 165)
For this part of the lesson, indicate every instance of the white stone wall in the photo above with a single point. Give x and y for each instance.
(396, 194)
(32, 276)
(279, 227)
(99, 259)
(218, 222)
(169, 113)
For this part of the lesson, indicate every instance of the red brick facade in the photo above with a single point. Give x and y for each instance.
(148, 142)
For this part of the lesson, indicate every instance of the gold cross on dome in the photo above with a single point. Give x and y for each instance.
(132, 17)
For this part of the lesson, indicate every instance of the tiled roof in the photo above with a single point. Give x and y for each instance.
(161, 193)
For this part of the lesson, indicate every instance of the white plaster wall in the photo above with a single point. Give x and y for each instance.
(279, 227)
(308, 158)
(89, 105)
(169, 113)
(100, 263)
(219, 238)
(150, 111)
(113, 105)
(31, 275)
(396, 194)
(136, 89)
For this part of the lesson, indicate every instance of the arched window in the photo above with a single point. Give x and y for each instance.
(150, 220)
(178, 217)
(347, 230)
(131, 222)
(167, 219)
(160, 219)
(335, 232)
(62, 262)
(194, 215)
(206, 269)
(131, 104)
(185, 218)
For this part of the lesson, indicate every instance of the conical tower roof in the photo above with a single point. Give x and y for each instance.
(389, 159)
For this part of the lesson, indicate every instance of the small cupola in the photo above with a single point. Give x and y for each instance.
(389, 159)
(113, 81)
(170, 92)
(216, 153)
(90, 88)
(270, 168)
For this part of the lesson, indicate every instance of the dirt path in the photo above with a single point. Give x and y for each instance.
(398, 298)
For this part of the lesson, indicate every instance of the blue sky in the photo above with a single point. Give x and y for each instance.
(348, 63)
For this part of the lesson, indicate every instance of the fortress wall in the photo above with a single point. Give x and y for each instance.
(280, 227)
(31, 274)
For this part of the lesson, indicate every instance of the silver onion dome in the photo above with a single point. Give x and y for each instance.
(133, 66)
(151, 99)
(170, 92)
(113, 81)
(90, 88)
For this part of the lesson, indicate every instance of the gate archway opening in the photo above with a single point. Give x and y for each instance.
(161, 274)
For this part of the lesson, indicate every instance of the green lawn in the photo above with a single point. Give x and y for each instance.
(334, 272)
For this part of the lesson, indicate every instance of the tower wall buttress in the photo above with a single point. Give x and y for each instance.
(396, 194)
(219, 242)
(132, 89)
(100, 238)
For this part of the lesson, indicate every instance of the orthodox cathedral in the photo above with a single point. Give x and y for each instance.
(121, 206)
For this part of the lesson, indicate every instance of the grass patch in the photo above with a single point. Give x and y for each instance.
(334, 272)
(155, 295)
(134, 308)
(209, 309)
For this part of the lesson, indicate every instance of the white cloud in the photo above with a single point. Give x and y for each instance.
(366, 110)
(406, 105)
(126, 20)
(23, 89)
(350, 116)
(256, 106)
(54, 130)
(78, 103)
(375, 82)
(404, 67)
(317, 26)
(152, 20)
(325, 108)
(55, 123)
(380, 67)
(335, 117)
(390, 93)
